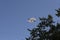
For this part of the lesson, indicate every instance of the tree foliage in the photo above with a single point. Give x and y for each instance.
(40, 32)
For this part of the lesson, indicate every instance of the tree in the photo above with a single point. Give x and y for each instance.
(40, 32)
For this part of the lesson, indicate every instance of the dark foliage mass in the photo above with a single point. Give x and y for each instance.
(40, 32)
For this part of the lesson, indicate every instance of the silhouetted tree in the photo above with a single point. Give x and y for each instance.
(46, 30)
(58, 12)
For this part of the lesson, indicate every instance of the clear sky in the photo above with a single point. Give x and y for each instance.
(14, 15)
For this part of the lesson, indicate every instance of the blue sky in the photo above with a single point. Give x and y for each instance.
(14, 15)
